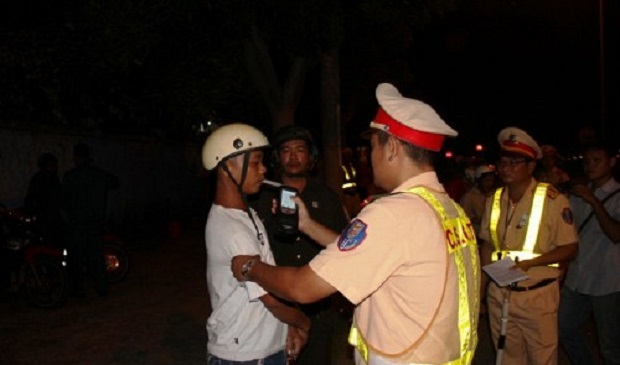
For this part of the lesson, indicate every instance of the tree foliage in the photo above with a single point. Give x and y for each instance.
(138, 66)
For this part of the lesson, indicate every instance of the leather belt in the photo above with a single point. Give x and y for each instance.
(539, 284)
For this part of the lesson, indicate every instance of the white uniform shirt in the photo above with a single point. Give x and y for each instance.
(596, 269)
(240, 328)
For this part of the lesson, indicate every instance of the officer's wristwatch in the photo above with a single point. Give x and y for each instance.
(246, 268)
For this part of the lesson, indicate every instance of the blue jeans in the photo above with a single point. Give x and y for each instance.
(575, 309)
(279, 358)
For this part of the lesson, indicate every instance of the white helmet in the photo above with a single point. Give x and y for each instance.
(231, 140)
(484, 169)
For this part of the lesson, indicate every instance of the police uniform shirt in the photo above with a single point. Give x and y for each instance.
(392, 260)
(556, 227)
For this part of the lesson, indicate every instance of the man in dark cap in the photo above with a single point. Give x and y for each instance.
(294, 157)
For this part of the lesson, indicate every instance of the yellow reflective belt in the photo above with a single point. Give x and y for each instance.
(533, 225)
(459, 236)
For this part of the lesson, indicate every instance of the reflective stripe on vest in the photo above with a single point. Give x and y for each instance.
(533, 225)
(459, 235)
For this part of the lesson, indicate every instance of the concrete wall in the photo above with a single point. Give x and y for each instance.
(158, 180)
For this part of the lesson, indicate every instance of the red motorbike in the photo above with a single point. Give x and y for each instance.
(30, 265)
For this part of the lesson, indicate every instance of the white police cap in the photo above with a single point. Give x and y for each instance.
(410, 120)
(517, 141)
(484, 169)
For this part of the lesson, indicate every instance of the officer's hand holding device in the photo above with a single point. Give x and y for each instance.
(287, 218)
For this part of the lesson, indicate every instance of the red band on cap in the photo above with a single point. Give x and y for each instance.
(519, 147)
(429, 141)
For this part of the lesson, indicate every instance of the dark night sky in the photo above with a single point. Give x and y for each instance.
(531, 64)
(492, 64)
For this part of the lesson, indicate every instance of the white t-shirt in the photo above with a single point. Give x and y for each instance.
(240, 327)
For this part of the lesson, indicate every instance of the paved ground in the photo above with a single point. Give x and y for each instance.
(156, 316)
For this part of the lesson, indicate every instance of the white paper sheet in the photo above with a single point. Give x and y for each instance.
(502, 274)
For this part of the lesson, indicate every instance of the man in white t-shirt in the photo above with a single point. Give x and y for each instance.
(247, 325)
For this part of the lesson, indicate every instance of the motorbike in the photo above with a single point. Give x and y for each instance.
(31, 265)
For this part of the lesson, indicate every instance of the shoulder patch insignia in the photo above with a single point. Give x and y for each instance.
(567, 216)
(552, 192)
(352, 236)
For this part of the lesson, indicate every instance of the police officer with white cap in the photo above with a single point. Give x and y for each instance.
(247, 324)
(532, 224)
(408, 260)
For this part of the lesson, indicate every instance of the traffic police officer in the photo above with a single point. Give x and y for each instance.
(408, 261)
(533, 224)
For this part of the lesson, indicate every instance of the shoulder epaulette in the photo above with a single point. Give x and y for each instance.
(552, 192)
(372, 199)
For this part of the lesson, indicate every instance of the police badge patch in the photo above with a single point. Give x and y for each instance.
(567, 216)
(352, 236)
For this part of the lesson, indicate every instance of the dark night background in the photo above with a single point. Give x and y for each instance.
(136, 78)
(161, 67)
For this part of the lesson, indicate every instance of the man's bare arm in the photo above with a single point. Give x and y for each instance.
(296, 284)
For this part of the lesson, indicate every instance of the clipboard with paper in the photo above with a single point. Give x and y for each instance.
(501, 273)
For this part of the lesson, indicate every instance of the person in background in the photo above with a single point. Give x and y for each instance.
(550, 170)
(44, 201)
(294, 156)
(531, 223)
(455, 177)
(248, 326)
(408, 260)
(85, 193)
(350, 188)
(592, 284)
(473, 201)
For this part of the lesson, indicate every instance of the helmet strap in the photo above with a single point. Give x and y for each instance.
(239, 185)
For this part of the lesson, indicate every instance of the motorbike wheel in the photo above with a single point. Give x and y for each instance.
(116, 262)
(47, 284)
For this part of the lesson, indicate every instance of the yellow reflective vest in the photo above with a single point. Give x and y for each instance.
(460, 239)
(533, 226)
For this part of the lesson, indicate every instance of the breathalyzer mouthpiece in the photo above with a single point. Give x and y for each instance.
(272, 183)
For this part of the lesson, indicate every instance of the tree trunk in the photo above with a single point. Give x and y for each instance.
(330, 118)
(281, 100)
